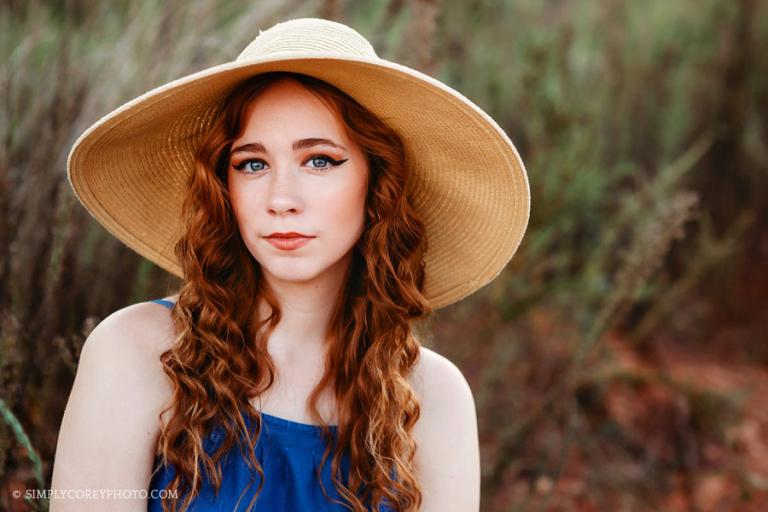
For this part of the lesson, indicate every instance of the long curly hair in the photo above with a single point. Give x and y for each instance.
(219, 361)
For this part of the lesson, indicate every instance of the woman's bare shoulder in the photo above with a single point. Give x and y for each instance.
(434, 375)
(148, 326)
(111, 422)
(446, 435)
(131, 340)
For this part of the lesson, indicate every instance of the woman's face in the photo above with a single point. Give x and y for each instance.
(294, 169)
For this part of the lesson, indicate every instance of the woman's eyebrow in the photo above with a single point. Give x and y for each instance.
(256, 147)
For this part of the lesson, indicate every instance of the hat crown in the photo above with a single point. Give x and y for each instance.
(312, 35)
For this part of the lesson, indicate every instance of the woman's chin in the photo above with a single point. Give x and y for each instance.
(291, 273)
(304, 269)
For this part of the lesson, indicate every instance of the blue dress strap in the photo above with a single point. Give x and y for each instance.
(167, 303)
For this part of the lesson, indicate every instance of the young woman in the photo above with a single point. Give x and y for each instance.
(316, 200)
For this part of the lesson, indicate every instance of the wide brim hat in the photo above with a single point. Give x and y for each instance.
(469, 184)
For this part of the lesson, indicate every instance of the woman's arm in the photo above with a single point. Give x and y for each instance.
(448, 451)
(110, 426)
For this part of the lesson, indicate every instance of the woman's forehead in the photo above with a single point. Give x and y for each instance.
(288, 109)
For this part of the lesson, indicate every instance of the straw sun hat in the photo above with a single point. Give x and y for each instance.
(130, 168)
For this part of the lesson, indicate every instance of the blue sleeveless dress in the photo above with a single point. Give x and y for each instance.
(289, 453)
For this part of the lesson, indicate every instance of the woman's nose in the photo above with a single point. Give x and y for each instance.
(284, 191)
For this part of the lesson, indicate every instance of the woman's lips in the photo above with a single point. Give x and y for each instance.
(288, 243)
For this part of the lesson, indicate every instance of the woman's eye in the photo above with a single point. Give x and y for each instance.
(246, 164)
(327, 160)
(321, 162)
(319, 158)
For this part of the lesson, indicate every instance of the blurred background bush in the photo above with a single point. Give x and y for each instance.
(619, 362)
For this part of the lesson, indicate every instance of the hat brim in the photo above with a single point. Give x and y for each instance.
(130, 168)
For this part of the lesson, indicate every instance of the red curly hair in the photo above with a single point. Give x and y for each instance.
(220, 359)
